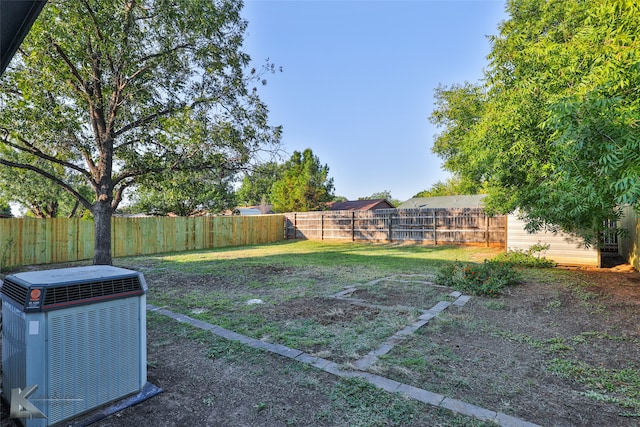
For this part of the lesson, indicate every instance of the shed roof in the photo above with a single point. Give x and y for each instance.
(246, 211)
(361, 205)
(461, 201)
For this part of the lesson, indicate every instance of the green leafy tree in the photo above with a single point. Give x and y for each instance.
(382, 195)
(184, 193)
(35, 193)
(457, 111)
(304, 186)
(595, 124)
(5, 210)
(113, 91)
(556, 130)
(453, 186)
(522, 87)
(256, 185)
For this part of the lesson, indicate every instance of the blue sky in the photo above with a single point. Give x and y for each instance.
(358, 81)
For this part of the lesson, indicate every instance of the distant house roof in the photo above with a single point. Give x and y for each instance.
(246, 211)
(251, 210)
(264, 209)
(468, 201)
(361, 205)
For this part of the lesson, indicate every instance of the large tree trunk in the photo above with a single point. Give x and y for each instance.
(102, 231)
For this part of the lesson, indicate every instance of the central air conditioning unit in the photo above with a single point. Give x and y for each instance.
(78, 334)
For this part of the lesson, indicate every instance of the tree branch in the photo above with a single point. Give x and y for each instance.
(157, 115)
(174, 49)
(143, 121)
(96, 25)
(178, 165)
(51, 177)
(119, 192)
(72, 68)
(31, 149)
(144, 60)
(74, 210)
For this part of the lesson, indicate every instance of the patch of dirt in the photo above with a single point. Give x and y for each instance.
(501, 350)
(422, 298)
(325, 311)
(252, 389)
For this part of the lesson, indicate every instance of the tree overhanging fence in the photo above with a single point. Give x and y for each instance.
(28, 241)
(468, 226)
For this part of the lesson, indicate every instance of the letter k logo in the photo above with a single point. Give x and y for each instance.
(21, 407)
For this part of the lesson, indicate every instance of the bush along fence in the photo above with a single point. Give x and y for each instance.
(27, 241)
(469, 226)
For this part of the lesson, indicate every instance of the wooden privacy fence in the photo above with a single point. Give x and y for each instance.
(430, 226)
(26, 241)
(630, 241)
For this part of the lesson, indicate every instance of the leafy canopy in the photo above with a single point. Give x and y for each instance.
(453, 186)
(112, 91)
(184, 193)
(257, 184)
(553, 128)
(305, 185)
(386, 195)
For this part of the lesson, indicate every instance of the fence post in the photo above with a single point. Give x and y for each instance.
(322, 226)
(285, 226)
(353, 226)
(295, 226)
(486, 222)
(435, 227)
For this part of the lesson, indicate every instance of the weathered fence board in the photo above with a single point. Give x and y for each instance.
(429, 226)
(26, 241)
(630, 241)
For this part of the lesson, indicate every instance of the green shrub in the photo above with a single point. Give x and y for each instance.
(488, 278)
(532, 257)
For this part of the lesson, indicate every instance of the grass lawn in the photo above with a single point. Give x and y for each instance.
(558, 349)
(290, 281)
(555, 350)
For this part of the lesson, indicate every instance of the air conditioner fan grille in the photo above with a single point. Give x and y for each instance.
(91, 290)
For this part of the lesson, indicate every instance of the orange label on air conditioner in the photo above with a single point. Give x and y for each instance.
(35, 294)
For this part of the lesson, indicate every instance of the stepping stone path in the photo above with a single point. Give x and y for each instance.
(369, 359)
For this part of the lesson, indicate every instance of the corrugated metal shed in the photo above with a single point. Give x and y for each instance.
(445, 202)
(565, 249)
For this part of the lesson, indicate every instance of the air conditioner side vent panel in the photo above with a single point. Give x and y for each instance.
(14, 291)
